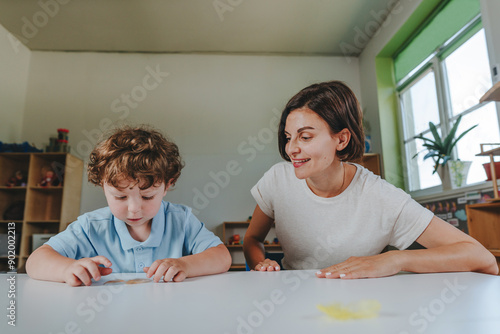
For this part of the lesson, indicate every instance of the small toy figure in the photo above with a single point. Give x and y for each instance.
(276, 241)
(48, 178)
(17, 180)
(234, 240)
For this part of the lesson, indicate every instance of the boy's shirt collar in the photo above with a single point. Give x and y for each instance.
(155, 237)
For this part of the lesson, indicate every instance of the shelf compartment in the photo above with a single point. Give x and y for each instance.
(10, 163)
(9, 197)
(44, 204)
(38, 228)
(42, 162)
(483, 222)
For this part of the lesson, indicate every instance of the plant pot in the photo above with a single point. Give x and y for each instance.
(487, 169)
(454, 174)
(444, 175)
(458, 172)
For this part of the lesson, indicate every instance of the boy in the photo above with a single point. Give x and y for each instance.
(138, 231)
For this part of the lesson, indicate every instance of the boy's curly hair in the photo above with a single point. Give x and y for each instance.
(141, 154)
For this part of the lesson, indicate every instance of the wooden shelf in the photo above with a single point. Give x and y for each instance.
(42, 221)
(46, 209)
(495, 252)
(483, 222)
(229, 229)
(270, 246)
(239, 266)
(492, 153)
(371, 161)
(493, 94)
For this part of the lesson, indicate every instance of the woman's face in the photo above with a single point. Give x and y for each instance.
(311, 145)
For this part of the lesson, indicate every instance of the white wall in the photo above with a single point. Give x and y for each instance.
(387, 29)
(217, 108)
(14, 67)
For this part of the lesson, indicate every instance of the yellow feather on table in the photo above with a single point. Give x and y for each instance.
(364, 309)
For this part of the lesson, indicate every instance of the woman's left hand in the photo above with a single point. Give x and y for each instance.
(380, 265)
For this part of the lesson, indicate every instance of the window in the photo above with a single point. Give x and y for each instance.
(446, 85)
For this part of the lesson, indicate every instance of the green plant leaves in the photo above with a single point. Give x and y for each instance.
(438, 149)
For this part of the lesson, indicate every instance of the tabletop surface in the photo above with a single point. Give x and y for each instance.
(253, 302)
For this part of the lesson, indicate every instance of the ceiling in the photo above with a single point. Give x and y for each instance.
(306, 27)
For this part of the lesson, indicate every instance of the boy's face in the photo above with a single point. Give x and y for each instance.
(132, 205)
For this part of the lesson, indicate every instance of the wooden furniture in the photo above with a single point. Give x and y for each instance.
(231, 228)
(483, 222)
(493, 94)
(491, 154)
(371, 161)
(47, 210)
(256, 302)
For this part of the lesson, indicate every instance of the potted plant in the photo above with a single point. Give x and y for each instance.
(440, 151)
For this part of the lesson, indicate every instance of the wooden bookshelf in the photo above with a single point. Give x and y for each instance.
(240, 227)
(46, 209)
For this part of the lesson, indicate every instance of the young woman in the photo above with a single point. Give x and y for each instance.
(336, 215)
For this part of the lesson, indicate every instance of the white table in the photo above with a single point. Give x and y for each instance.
(255, 302)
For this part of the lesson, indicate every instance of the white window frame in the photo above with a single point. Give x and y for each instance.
(433, 63)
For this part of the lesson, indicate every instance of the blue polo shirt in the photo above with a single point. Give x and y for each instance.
(175, 232)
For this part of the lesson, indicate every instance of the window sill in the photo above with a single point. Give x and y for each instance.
(436, 193)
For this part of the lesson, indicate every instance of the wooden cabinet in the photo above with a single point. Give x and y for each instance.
(483, 222)
(371, 161)
(47, 209)
(231, 228)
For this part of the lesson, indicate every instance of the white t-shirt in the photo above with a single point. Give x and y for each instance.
(317, 232)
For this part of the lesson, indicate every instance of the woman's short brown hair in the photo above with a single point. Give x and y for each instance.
(141, 154)
(334, 102)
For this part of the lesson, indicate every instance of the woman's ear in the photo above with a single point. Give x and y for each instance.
(344, 137)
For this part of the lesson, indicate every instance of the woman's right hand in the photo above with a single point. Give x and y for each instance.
(267, 265)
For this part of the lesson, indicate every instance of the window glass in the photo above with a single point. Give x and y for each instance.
(486, 132)
(468, 73)
(420, 171)
(420, 106)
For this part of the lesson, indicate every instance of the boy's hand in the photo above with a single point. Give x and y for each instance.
(267, 265)
(169, 269)
(83, 270)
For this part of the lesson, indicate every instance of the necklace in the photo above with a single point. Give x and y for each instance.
(326, 193)
(343, 180)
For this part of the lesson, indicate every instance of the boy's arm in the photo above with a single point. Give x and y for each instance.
(47, 264)
(214, 260)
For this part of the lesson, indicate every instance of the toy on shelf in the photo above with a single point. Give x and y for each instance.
(49, 178)
(16, 180)
(276, 241)
(59, 143)
(234, 240)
